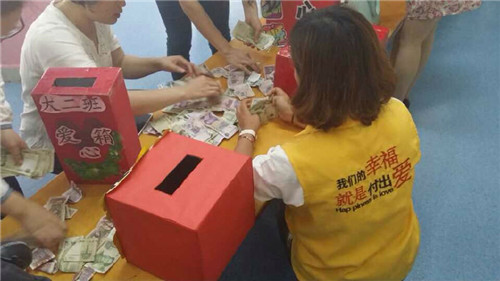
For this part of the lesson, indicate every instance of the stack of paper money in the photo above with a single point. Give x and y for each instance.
(264, 108)
(36, 163)
(82, 255)
(244, 32)
(200, 123)
(195, 118)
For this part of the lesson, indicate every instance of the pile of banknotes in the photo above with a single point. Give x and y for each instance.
(83, 255)
(197, 118)
(36, 163)
(244, 32)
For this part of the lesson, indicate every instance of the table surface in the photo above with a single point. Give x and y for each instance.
(91, 208)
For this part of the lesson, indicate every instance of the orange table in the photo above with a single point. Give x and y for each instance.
(91, 207)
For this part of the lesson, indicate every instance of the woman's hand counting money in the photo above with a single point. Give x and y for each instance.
(202, 86)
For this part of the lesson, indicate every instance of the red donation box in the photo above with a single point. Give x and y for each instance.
(88, 118)
(184, 208)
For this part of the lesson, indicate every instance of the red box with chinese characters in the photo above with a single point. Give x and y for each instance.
(284, 70)
(184, 208)
(88, 118)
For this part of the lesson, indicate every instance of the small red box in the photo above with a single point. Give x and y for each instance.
(382, 33)
(184, 209)
(87, 115)
(284, 77)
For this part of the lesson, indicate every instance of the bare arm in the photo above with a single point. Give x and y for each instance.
(44, 226)
(252, 16)
(204, 24)
(136, 67)
(147, 101)
(152, 100)
(246, 121)
(281, 102)
(244, 146)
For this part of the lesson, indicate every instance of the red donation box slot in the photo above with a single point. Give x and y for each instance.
(184, 208)
(88, 118)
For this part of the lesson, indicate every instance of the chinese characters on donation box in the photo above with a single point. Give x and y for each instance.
(89, 122)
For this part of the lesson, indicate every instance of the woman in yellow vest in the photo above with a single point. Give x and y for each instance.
(347, 178)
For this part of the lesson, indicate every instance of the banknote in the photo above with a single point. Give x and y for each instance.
(82, 250)
(103, 228)
(269, 72)
(36, 163)
(68, 266)
(85, 274)
(230, 116)
(266, 86)
(243, 91)
(57, 206)
(235, 79)
(253, 78)
(264, 108)
(49, 267)
(105, 257)
(74, 193)
(244, 32)
(70, 212)
(220, 125)
(225, 104)
(215, 139)
(219, 72)
(228, 93)
(258, 105)
(40, 256)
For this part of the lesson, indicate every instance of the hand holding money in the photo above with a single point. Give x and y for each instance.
(240, 59)
(201, 86)
(246, 33)
(176, 64)
(247, 120)
(35, 164)
(13, 143)
(281, 102)
(45, 227)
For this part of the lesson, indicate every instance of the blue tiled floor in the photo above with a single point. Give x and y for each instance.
(455, 106)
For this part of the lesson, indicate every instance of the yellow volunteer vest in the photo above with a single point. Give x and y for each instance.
(357, 221)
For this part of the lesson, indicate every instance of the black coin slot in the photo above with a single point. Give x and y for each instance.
(75, 82)
(177, 176)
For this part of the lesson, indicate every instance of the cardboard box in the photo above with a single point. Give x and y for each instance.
(284, 77)
(183, 210)
(87, 115)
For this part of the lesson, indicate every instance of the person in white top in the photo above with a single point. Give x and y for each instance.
(77, 34)
(10, 140)
(43, 226)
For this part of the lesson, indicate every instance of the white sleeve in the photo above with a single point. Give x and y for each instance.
(5, 111)
(5, 190)
(274, 177)
(60, 48)
(115, 44)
